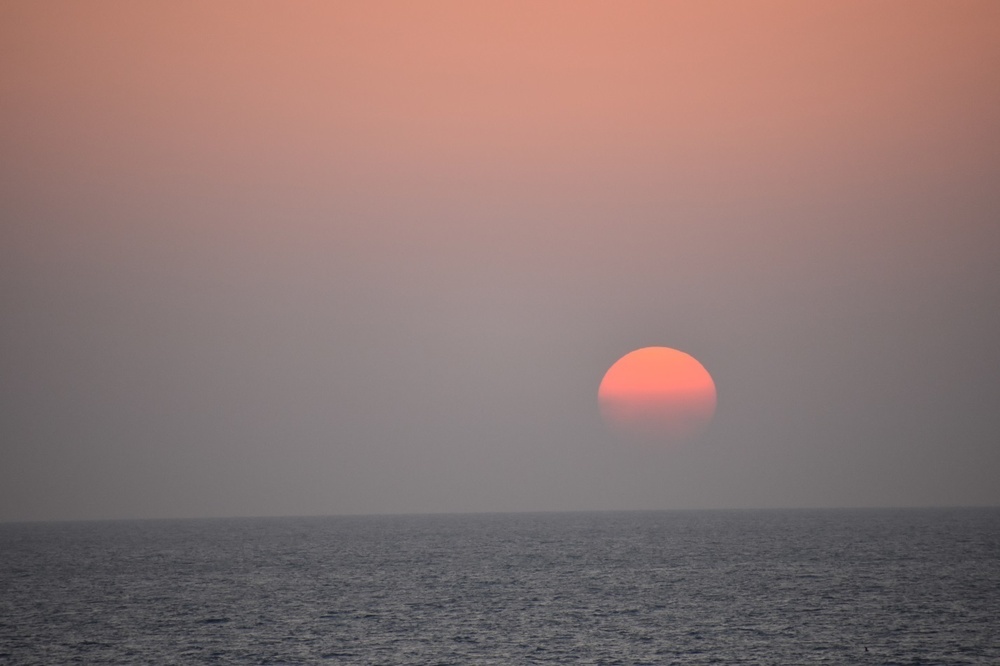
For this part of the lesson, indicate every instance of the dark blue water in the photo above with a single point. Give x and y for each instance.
(762, 587)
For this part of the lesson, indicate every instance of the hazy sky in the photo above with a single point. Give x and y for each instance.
(319, 257)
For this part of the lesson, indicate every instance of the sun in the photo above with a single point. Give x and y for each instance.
(657, 394)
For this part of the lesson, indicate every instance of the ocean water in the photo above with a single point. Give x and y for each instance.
(713, 587)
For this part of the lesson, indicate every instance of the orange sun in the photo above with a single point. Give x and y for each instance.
(657, 394)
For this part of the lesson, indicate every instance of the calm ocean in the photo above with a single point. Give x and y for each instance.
(712, 587)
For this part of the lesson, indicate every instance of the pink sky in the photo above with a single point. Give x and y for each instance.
(325, 257)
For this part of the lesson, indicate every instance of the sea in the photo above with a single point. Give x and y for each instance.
(900, 586)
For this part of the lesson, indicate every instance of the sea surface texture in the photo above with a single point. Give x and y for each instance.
(741, 587)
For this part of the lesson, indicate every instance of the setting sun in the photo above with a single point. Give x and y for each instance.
(657, 393)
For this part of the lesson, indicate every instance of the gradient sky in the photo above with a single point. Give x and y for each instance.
(323, 258)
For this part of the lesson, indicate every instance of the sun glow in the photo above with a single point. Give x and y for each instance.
(657, 393)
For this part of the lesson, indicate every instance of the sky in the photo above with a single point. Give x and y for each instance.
(311, 258)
